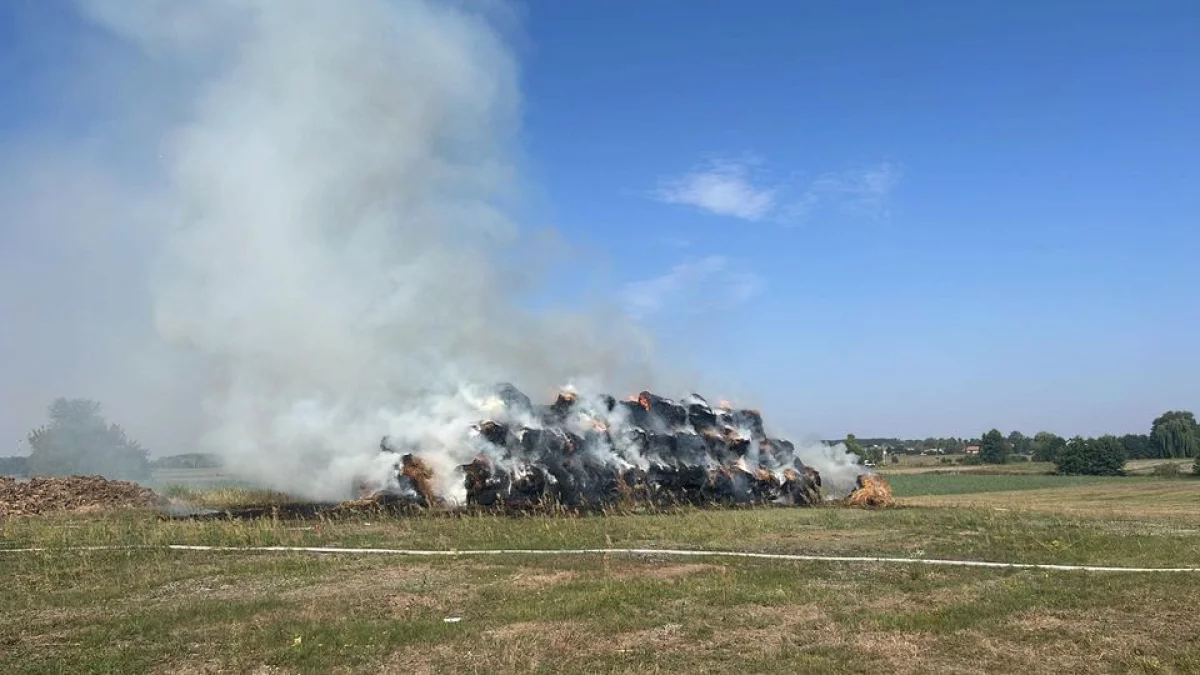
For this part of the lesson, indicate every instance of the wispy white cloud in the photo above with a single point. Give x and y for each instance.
(865, 190)
(692, 286)
(724, 188)
(727, 188)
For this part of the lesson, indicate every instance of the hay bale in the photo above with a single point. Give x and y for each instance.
(872, 492)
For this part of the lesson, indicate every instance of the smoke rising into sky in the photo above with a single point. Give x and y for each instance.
(292, 233)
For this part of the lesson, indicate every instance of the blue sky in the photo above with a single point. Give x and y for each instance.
(925, 218)
(883, 218)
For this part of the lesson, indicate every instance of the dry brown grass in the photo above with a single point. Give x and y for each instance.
(1160, 500)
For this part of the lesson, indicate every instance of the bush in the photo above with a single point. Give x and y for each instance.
(1104, 456)
(78, 441)
(1167, 470)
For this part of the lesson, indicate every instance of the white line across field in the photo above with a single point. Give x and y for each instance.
(689, 553)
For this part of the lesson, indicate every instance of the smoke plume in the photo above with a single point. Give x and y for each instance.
(330, 220)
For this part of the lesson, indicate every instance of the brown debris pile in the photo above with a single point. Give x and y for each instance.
(75, 493)
(872, 491)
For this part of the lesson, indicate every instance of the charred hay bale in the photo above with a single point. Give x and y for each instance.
(513, 399)
(766, 486)
(634, 414)
(665, 415)
(801, 487)
(701, 418)
(750, 420)
(485, 484)
(738, 447)
(691, 449)
(494, 432)
(727, 485)
(660, 448)
(529, 488)
(634, 485)
(678, 484)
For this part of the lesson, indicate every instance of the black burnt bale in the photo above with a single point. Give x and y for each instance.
(494, 432)
(601, 483)
(538, 445)
(785, 453)
(748, 419)
(550, 449)
(556, 413)
(775, 453)
(514, 399)
(691, 449)
(661, 448)
(629, 443)
(678, 484)
(738, 447)
(487, 486)
(730, 485)
(701, 417)
(608, 403)
(766, 486)
(666, 415)
(635, 415)
(528, 488)
(717, 448)
(801, 488)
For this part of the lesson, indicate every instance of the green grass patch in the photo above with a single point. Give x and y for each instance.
(922, 484)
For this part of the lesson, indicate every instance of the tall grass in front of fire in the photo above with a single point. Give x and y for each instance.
(1146, 522)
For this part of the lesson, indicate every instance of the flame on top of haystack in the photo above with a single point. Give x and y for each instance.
(872, 491)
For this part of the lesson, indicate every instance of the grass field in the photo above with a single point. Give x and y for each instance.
(153, 610)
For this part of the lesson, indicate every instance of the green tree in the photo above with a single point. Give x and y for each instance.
(1104, 456)
(1137, 446)
(993, 448)
(1046, 446)
(852, 445)
(1020, 443)
(1175, 434)
(79, 441)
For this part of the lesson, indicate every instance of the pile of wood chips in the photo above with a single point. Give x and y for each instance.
(41, 495)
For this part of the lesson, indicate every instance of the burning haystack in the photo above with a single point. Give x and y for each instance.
(582, 452)
(871, 491)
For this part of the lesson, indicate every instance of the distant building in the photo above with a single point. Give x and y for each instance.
(971, 450)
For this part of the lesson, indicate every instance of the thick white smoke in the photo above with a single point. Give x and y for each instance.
(333, 235)
(340, 188)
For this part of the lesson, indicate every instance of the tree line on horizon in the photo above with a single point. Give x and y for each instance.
(1173, 435)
